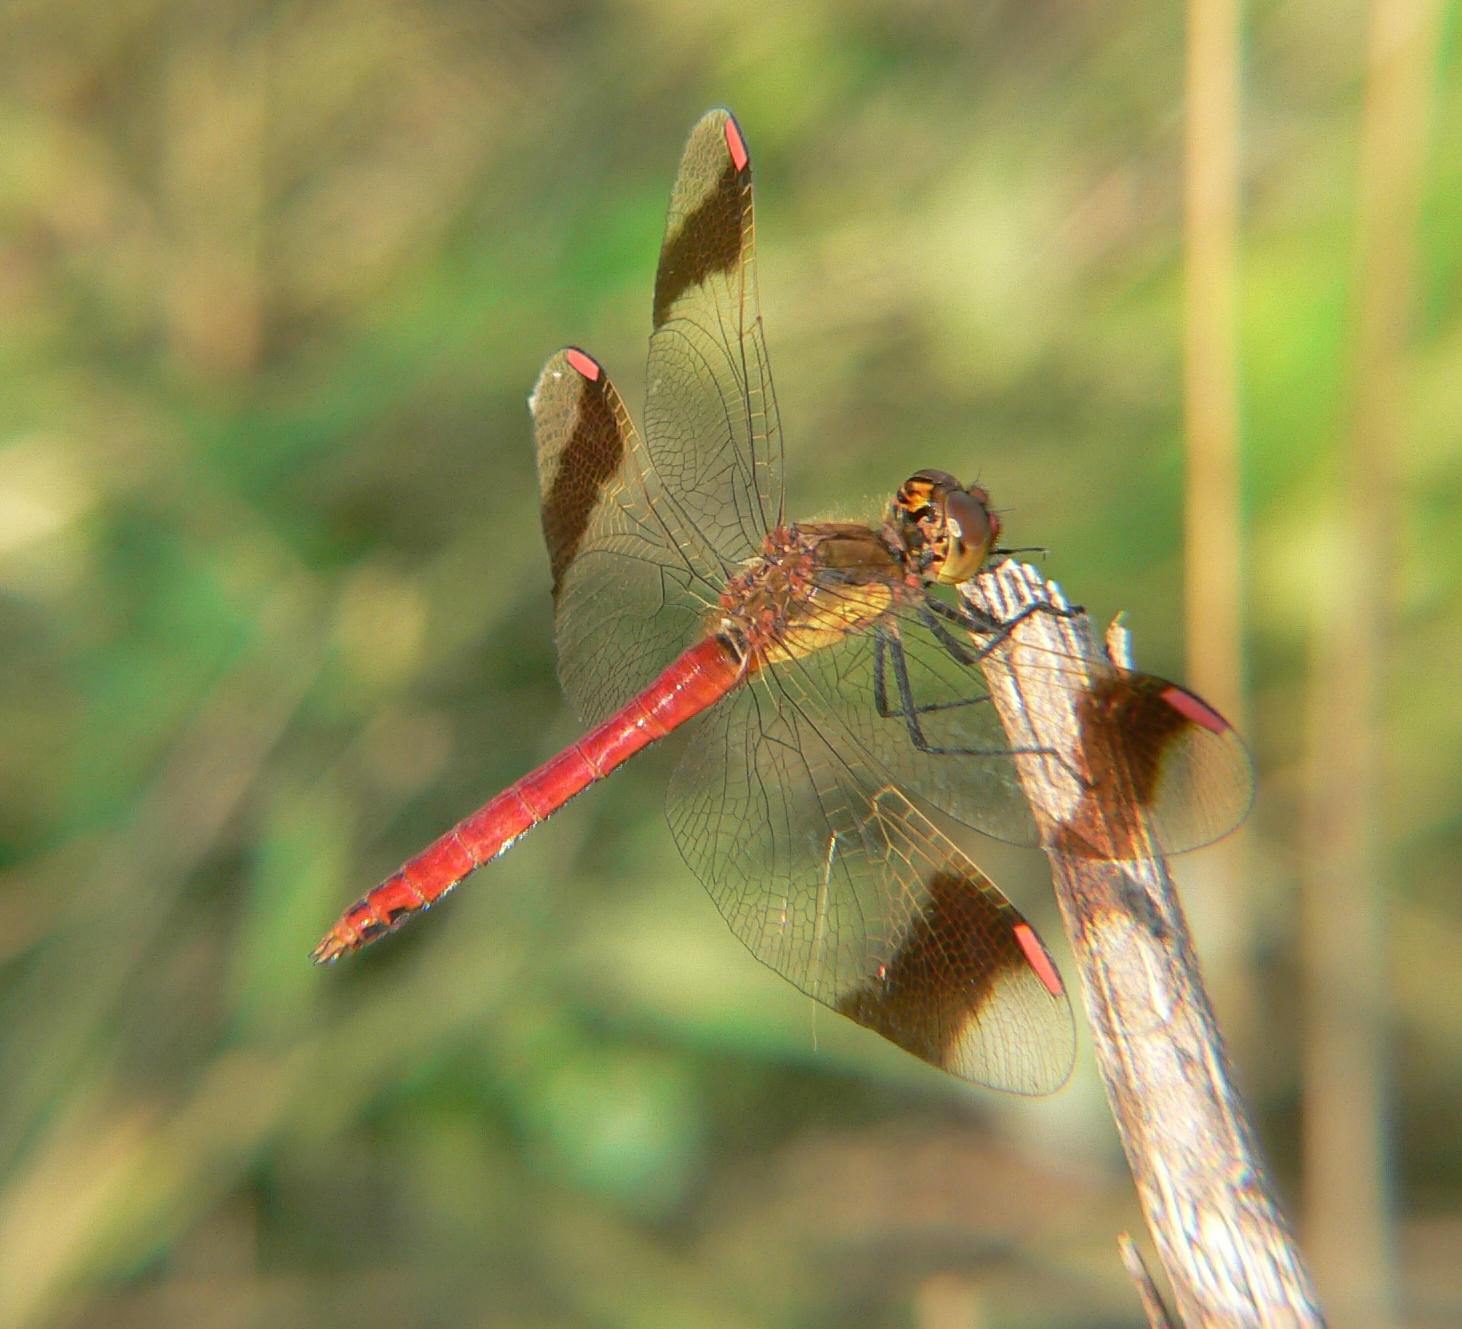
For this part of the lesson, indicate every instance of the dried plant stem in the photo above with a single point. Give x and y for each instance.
(1348, 1203)
(1218, 1229)
(1213, 563)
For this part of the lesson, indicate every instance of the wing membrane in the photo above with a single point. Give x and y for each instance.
(710, 409)
(643, 534)
(837, 882)
(1152, 750)
(629, 592)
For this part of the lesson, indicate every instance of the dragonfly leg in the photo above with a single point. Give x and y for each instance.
(888, 656)
(887, 642)
(885, 645)
(930, 613)
(998, 630)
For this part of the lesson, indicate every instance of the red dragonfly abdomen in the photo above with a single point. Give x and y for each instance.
(698, 678)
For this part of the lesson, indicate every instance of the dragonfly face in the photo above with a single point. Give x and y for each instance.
(947, 528)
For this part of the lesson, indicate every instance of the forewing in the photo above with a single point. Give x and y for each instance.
(710, 409)
(832, 878)
(629, 589)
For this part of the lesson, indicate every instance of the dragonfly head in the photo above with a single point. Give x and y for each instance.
(947, 528)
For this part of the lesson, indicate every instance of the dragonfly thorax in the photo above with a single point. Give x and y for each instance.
(946, 529)
(810, 585)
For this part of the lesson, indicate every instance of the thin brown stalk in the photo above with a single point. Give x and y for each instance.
(1347, 1191)
(1214, 556)
(1213, 564)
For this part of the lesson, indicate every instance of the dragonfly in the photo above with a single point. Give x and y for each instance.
(828, 676)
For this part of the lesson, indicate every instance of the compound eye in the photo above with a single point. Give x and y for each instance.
(969, 533)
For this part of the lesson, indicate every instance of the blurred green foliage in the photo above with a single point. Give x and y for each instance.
(275, 279)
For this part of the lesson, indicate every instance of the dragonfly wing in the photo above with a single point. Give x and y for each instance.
(644, 534)
(629, 587)
(710, 409)
(834, 879)
(1153, 746)
(1154, 759)
(861, 690)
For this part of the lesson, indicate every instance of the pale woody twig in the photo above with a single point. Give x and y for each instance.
(1156, 1312)
(1208, 1203)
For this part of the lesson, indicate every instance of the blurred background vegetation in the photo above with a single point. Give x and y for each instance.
(275, 279)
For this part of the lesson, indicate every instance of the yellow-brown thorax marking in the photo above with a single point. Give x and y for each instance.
(810, 585)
